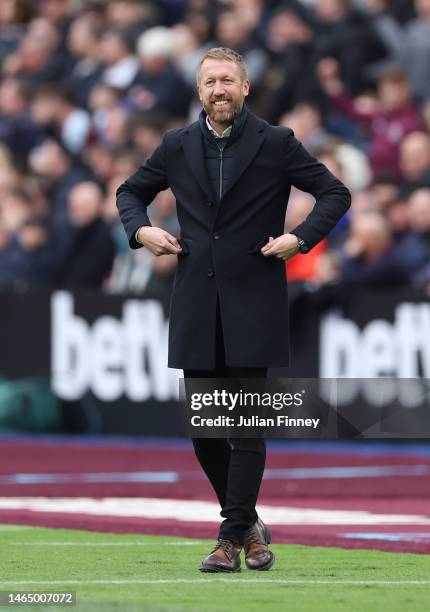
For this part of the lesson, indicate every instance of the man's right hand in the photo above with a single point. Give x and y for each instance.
(158, 241)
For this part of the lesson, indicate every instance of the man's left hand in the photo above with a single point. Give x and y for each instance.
(284, 247)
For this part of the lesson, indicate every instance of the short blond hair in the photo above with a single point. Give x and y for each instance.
(224, 53)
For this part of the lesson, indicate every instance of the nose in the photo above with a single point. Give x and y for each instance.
(219, 88)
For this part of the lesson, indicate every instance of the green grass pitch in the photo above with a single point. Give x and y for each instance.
(158, 574)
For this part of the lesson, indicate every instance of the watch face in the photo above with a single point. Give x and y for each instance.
(303, 247)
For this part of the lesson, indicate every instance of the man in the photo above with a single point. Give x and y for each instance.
(231, 174)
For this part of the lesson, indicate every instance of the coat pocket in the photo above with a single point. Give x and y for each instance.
(186, 245)
(256, 249)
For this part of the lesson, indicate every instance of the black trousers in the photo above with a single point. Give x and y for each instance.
(233, 466)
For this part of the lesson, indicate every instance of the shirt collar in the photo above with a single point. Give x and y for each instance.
(226, 133)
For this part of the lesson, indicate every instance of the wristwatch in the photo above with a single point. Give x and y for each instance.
(303, 247)
(136, 236)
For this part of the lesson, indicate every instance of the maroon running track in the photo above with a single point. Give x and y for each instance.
(379, 482)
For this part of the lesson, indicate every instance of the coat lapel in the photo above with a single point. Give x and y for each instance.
(250, 142)
(192, 144)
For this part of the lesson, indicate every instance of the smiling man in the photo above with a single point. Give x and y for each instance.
(231, 174)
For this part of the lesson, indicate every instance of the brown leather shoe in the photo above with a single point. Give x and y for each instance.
(257, 554)
(225, 557)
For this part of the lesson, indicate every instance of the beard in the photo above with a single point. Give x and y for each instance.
(223, 116)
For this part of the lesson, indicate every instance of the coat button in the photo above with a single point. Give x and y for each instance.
(210, 203)
(210, 273)
(215, 235)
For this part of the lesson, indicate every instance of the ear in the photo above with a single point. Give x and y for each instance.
(245, 87)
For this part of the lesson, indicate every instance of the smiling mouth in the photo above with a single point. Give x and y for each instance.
(221, 103)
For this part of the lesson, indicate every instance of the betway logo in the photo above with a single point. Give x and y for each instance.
(400, 349)
(383, 363)
(111, 357)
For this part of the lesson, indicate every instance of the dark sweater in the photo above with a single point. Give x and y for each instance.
(220, 153)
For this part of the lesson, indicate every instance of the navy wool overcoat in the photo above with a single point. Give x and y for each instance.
(221, 243)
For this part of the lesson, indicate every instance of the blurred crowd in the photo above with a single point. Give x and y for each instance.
(88, 87)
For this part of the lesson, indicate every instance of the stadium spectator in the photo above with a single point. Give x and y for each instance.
(100, 159)
(356, 171)
(419, 215)
(26, 254)
(414, 160)
(116, 130)
(147, 129)
(14, 15)
(187, 51)
(83, 42)
(159, 84)
(408, 43)
(87, 254)
(125, 160)
(345, 34)
(234, 31)
(393, 116)
(53, 108)
(17, 129)
(57, 11)
(102, 100)
(328, 154)
(40, 56)
(4, 238)
(419, 220)
(306, 122)
(290, 40)
(9, 177)
(116, 53)
(15, 209)
(382, 193)
(37, 254)
(131, 17)
(371, 255)
(57, 174)
(201, 20)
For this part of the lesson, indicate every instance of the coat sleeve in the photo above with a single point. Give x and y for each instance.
(137, 192)
(332, 197)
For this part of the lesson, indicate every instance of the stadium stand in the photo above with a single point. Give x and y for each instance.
(88, 88)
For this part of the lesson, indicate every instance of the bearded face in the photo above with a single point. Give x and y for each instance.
(222, 90)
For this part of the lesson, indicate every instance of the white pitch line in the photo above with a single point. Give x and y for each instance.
(216, 579)
(203, 511)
